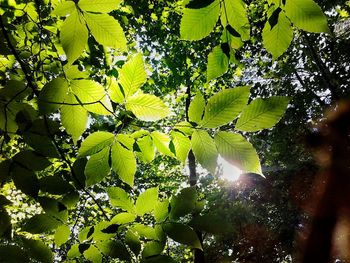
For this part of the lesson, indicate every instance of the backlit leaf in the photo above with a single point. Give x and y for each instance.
(132, 75)
(97, 167)
(234, 12)
(277, 38)
(106, 30)
(74, 36)
(52, 95)
(196, 109)
(102, 6)
(95, 142)
(119, 198)
(62, 235)
(162, 142)
(217, 63)
(93, 254)
(182, 145)
(146, 201)
(198, 23)
(123, 163)
(306, 15)
(207, 158)
(225, 106)
(92, 96)
(262, 113)
(74, 118)
(235, 149)
(147, 107)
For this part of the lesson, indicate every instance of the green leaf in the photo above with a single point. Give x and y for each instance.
(74, 36)
(198, 23)
(147, 148)
(73, 252)
(161, 210)
(115, 90)
(52, 95)
(92, 96)
(307, 15)
(133, 241)
(123, 163)
(12, 254)
(119, 198)
(126, 140)
(182, 145)
(102, 6)
(106, 30)
(132, 75)
(183, 234)
(62, 235)
(204, 150)
(262, 114)
(123, 218)
(162, 143)
(78, 169)
(40, 223)
(72, 72)
(95, 142)
(146, 201)
(97, 167)
(217, 63)
(183, 203)
(277, 38)
(145, 231)
(225, 106)
(64, 8)
(210, 223)
(31, 160)
(93, 254)
(196, 109)
(74, 118)
(235, 149)
(114, 249)
(152, 248)
(54, 185)
(38, 250)
(147, 107)
(25, 180)
(41, 144)
(54, 208)
(235, 13)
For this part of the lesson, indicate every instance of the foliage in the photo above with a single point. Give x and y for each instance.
(98, 117)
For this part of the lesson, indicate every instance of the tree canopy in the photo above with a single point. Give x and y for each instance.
(115, 117)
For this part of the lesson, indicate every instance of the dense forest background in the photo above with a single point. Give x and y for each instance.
(113, 115)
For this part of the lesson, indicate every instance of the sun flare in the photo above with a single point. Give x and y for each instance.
(230, 172)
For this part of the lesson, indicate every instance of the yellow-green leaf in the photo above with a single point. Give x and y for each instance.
(204, 150)
(123, 163)
(132, 75)
(74, 117)
(74, 36)
(102, 6)
(106, 30)
(147, 107)
(225, 106)
(235, 149)
(198, 23)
